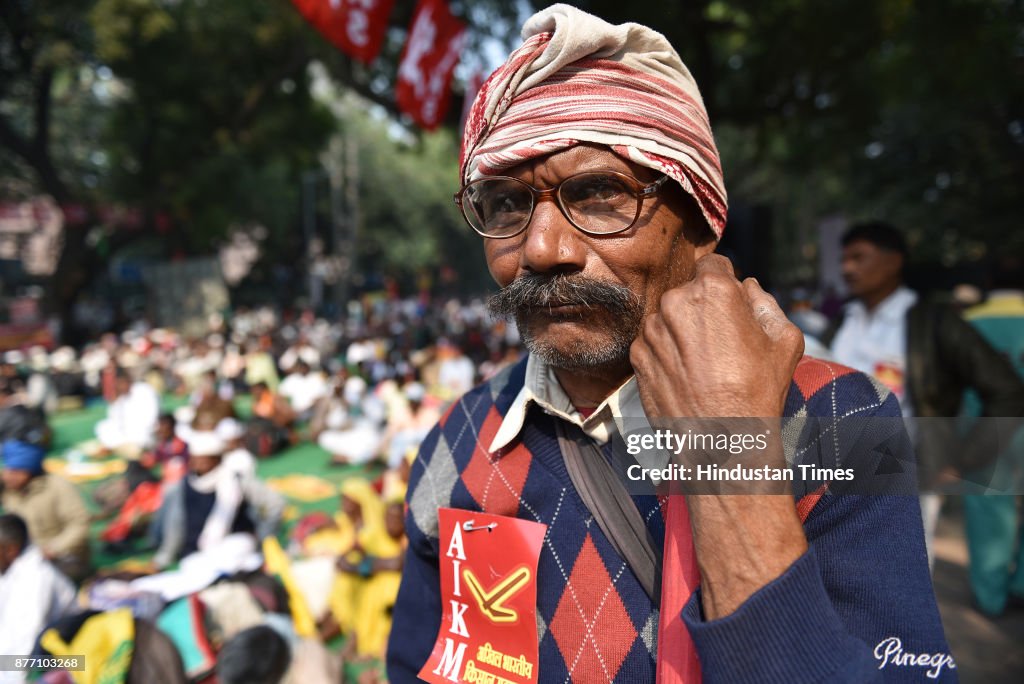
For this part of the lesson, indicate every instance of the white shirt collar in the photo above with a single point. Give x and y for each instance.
(541, 387)
(892, 308)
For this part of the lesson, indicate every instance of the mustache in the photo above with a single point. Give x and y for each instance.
(536, 291)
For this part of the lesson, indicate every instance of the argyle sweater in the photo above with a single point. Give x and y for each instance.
(835, 615)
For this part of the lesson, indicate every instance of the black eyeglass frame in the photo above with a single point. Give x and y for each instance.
(641, 191)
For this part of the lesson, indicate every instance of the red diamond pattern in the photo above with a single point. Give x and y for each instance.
(812, 374)
(591, 626)
(496, 481)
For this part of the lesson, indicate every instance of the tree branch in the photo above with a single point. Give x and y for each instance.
(43, 100)
(250, 107)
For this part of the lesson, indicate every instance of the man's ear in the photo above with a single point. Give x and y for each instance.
(899, 264)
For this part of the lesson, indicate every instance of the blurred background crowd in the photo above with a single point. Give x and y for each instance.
(289, 436)
(235, 293)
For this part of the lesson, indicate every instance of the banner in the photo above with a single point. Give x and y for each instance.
(428, 60)
(356, 27)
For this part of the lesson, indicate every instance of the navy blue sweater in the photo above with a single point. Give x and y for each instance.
(858, 606)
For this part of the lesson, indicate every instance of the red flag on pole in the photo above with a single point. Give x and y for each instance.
(356, 27)
(428, 60)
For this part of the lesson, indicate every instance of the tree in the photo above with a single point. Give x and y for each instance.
(905, 110)
(192, 117)
(190, 120)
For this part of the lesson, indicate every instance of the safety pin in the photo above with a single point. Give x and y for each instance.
(470, 526)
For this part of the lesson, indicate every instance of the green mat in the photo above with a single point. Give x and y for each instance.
(74, 427)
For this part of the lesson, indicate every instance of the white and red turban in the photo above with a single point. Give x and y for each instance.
(578, 79)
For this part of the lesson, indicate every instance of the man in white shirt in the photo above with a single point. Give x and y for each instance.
(131, 418)
(33, 593)
(303, 388)
(921, 350)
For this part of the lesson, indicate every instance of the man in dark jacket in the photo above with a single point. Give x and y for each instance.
(922, 350)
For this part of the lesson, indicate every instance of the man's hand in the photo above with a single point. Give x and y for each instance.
(717, 348)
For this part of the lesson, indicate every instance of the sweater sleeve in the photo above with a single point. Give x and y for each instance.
(417, 611)
(858, 606)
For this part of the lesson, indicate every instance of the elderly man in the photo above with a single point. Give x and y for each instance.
(216, 499)
(131, 417)
(590, 170)
(52, 507)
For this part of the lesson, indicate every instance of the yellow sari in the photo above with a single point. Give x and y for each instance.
(344, 599)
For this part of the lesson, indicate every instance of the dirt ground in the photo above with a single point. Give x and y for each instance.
(986, 651)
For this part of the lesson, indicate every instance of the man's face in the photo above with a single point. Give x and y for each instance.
(8, 553)
(164, 430)
(394, 520)
(350, 506)
(15, 479)
(868, 269)
(619, 278)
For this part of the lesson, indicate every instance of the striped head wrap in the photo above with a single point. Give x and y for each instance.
(578, 79)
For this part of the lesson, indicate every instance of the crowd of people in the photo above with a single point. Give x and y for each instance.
(189, 499)
(367, 392)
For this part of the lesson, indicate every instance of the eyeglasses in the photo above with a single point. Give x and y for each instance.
(595, 202)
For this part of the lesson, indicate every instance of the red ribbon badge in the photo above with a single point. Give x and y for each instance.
(488, 629)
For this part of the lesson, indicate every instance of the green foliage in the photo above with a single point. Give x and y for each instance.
(904, 109)
(220, 120)
(911, 111)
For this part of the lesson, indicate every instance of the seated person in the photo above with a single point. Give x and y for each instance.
(33, 593)
(406, 429)
(208, 402)
(237, 456)
(169, 450)
(381, 550)
(17, 419)
(52, 507)
(212, 502)
(359, 525)
(349, 435)
(131, 417)
(258, 655)
(270, 429)
(303, 387)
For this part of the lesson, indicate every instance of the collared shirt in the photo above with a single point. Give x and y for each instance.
(541, 387)
(875, 342)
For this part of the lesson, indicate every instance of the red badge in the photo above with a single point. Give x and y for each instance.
(891, 375)
(489, 598)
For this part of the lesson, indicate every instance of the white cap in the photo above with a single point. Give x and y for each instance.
(230, 429)
(63, 360)
(205, 443)
(184, 414)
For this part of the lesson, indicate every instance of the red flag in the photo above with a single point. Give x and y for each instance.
(428, 60)
(356, 27)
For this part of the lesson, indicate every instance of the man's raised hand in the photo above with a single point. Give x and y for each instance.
(716, 348)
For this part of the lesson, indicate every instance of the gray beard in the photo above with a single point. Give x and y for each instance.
(616, 305)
